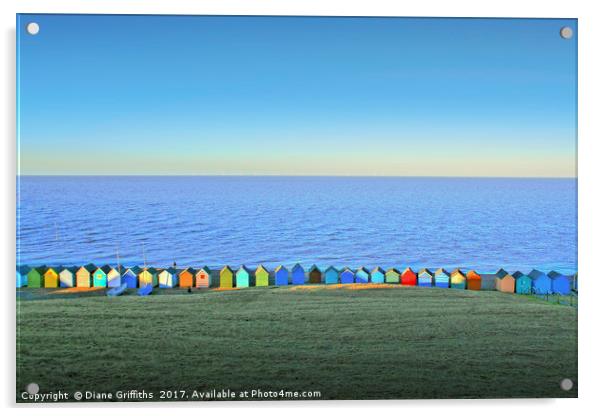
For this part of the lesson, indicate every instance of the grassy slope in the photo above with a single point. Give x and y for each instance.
(348, 344)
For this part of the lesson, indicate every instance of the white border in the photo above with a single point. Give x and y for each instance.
(590, 210)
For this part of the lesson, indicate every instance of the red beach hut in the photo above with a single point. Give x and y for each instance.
(409, 277)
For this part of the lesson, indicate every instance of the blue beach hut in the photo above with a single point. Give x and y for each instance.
(575, 279)
(331, 275)
(281, 276)
(298, 274)
(377, 275)
(22, 275)
(523, 283)
(561, 284)
(130, 277)
(362, 275)
(425, 278)
(243, 277)
(542, 284)
(347, 276)
(441, 278)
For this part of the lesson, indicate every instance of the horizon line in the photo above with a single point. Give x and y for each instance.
(299, 176)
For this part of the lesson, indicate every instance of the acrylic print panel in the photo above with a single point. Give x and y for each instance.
(302, 208)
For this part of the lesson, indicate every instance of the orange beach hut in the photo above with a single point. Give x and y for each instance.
(473, 280)
(187, 277)
(504, 282)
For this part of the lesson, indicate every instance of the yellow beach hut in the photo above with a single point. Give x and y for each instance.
(262, 276)
(226, 278)
(51, 277)
(148, 276)
(457, 280)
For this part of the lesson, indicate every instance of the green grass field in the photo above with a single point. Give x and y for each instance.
(397, 343)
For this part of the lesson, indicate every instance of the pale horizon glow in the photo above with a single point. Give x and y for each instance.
(296, 96)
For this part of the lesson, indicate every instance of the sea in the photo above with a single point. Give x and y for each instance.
(471, 223)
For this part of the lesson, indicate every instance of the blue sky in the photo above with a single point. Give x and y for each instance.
(296, 96)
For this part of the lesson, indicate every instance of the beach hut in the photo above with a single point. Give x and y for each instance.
(331, 275)
(473, 280)
(488, 281)
(377, 275)
(409, 277)
(51, 277)
(298, 275)
(148, 276)
(67, 277)
(83, 276)
(347, 276)
(457, 279)
(262, 276)
(522, 283)
(168, 278)
(315, 274)
(441, 278)
(243, 277)
(425, 278)
(130, 277)
(113, 276)
(99, 278)
(542, 284)
(281, 276)
(186, 277)
(226, 277)
(392, 276)
(35, 277)
(504, 282)
(561, 284)
(203, 277)
(22, 275)
(362, 275)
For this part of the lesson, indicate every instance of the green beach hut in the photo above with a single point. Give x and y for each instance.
(262, 276)
(392, 276)
(35, 277)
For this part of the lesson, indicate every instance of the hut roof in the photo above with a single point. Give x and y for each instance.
(297, 266)
(107, 268)
(363, 270)
(227, 268)
(535, 274)
(347, 269)
(41, 269)
(394, 270)
(90, 267)
(245, 268)
(23, 270)
(424, 270)
(472, 274)
(331, 268)
(378, 270)
(441, 270)
(408, 269)
(134, 269)
(189, 270)
(260, 268)
(554, 275)
(501, 272)
(314, 267)
(458, 271)
(517, 274)
(205, 269)
(281, 267)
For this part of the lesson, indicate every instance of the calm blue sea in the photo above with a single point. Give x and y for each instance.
(485, 224)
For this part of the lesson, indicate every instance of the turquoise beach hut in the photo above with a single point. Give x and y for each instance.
(362, 275)
(542, 284)
(67, 277)
(99, 278)
(130, 277)
(442, 277)
(298, 274)
(523, 283)
(377, 275)
(243, 277)
(561, 284)
(347, 276)
(281, 276)
(331, 276)
(22, 275)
